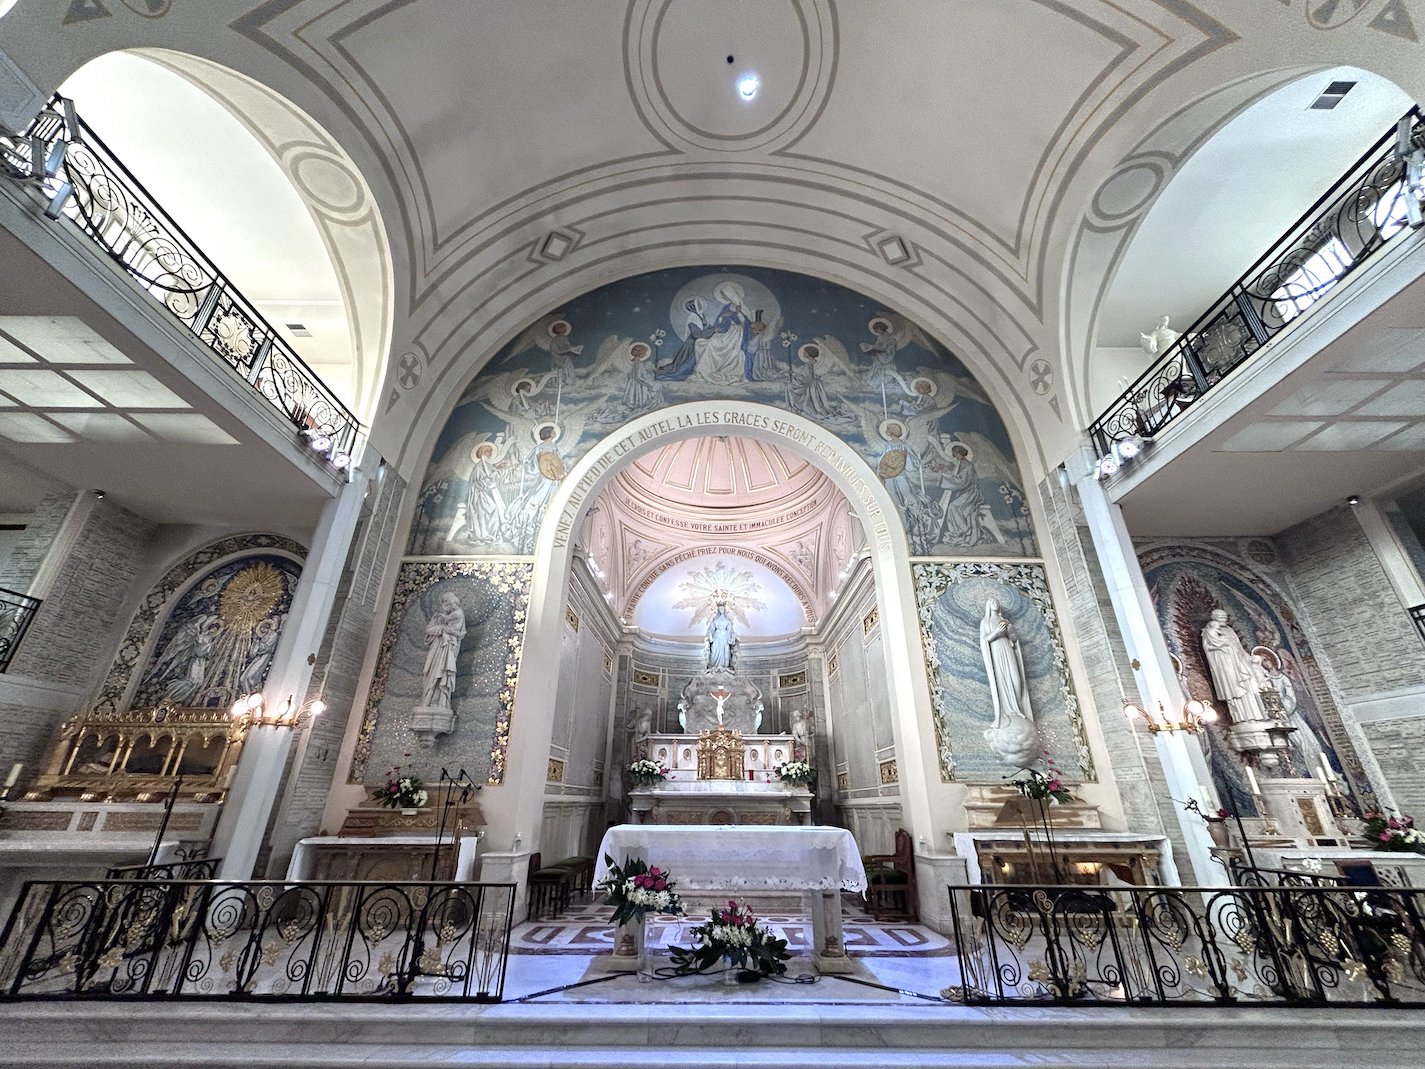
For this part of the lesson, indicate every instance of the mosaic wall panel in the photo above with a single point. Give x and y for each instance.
(494, 597)
(156, 601)
(1187, 581)
(865, 373)
(952, 602)
(218, 639)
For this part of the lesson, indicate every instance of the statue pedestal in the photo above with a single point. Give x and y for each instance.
(1262, 738)
(430, 721)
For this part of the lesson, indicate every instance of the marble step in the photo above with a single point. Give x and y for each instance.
(314, 1036)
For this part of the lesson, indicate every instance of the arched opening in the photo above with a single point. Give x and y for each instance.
(262, 190)
(1236, 192)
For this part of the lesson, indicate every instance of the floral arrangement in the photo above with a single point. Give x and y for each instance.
(401, 792)
(645, 773)
(733, 935)
(798, 772)
(1393, 832)
(1035, 784)
(1192, 806)
(634, 889)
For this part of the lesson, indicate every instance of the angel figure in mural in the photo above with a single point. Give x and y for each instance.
(484, 517)
(543, 472)
(183, 665)
(721, 348)
(532, 399)
(807, 394)
(721, 638)
(444, 632)
(552, 334)
(900, 470)
(641, 392)
(960, 461)
(882, 350)
(1012, 736)
(259, 654)
(1234, 679)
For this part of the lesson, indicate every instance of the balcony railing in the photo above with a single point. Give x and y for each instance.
(1417, 613)
(210, 939)
(16, 612)
(1285, 944)
(1357, 217)
(89, 185)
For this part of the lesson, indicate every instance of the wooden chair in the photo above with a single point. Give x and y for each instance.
(890, 879)
(549, 889)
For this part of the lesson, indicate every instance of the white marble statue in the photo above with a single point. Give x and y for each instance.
(1159, 339)
(1234, 676)
(801, 734)
(444, 632)
(721, 638)
(1012, 736)
(640, 726)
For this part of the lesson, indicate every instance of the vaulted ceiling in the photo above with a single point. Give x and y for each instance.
(720, 512)
(980, 165)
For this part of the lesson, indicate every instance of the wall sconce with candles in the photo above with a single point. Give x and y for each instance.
(252, 711)
(1195, 714)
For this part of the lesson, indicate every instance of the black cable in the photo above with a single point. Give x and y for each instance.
(883, 987)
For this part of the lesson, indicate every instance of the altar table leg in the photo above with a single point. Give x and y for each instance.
(828, 944)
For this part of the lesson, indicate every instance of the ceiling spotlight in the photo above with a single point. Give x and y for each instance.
(1129, 447)
(1354, 499)
(748, 85)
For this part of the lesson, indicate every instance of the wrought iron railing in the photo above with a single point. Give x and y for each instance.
(1417, 613)
(210, 939)
(16, 612)
(89, 185)
(197, 868)
(1285, 945)
(1352, 220)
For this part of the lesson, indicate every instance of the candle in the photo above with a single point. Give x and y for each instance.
(1326, 768)
(1252, 780)
(14, 775)
(1206, 794)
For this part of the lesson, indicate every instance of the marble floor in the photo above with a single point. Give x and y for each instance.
(564, 960)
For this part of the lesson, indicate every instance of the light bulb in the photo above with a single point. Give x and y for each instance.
(748, 85)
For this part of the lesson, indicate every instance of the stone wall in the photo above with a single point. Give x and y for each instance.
(1091, 624)
(312, 766)
(19, 569)
(1357, 619)
(1397, 746)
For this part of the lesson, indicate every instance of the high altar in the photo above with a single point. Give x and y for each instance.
(721, 776)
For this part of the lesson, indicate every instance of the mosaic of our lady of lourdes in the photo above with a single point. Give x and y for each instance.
(865, 373)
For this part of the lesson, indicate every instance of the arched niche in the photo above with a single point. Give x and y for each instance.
(1230, 171)
(268, 194)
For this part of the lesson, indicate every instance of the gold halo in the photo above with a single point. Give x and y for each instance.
(871, 326)
(249, 597)
(931, 386)
(560, 323)
(885, 429)
(636, 347)
(534, 433)
(803, 354)
(483, 446)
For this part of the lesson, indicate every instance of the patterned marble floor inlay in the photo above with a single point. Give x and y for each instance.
(585, 929)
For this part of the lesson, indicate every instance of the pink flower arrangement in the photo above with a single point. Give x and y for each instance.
(1395, 832)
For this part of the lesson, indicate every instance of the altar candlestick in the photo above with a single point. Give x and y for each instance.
(14, 775)
(1252, 781)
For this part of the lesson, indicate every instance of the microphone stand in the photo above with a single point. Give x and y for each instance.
(406, 978)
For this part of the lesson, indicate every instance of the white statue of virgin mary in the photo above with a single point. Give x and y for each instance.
(1012, 736)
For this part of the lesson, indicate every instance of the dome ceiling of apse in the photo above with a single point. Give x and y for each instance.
(723, 506)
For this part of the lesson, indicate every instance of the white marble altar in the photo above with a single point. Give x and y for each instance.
(745, 862)
(721, 802)
(377, 857)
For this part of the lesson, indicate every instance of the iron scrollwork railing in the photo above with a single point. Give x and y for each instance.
(1282, 945)
(16, 612)
(197, 868)
(88, 184)
(1353, 220)
(1417, 613)
(210, 939)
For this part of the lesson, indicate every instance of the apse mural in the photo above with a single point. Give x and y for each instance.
(453, 636)
(839, 359)
(218, 640)
(999, 681)
(1187, 582)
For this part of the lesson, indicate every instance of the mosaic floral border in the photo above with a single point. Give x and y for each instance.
(141, 628)
(931, 581)
(512, 578)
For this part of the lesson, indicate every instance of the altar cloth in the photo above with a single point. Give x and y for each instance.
(740, 857)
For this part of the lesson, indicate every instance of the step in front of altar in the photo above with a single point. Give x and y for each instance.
(711, 1036)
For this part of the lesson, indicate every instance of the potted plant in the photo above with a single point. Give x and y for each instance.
(1395, 833)
(797, 773)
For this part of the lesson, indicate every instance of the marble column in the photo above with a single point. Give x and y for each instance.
(1184, 765)
(253, 794)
